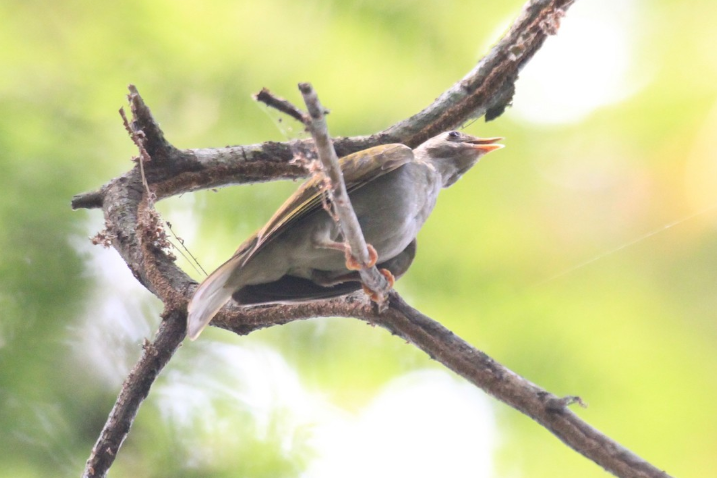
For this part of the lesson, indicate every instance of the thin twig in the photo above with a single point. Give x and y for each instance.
(285, 106)
(137, 137)
(88, 200)
(348, 222)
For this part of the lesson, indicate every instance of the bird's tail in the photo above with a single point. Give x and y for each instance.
(209, 297)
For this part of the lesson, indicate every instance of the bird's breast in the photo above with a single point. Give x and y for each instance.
(393, 208)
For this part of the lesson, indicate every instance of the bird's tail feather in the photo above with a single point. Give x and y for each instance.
(209, 297)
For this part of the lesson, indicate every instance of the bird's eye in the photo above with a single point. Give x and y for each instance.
(454, 135)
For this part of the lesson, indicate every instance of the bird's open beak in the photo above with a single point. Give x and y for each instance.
(486, 145)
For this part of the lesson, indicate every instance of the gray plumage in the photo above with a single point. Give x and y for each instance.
(299, 254)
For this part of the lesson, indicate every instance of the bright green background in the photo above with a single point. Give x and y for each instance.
(633, 332)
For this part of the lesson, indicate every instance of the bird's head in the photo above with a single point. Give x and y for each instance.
(453, 153)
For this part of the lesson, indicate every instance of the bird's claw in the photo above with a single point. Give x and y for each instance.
(353, 265)
(389, 277)
(375, 296)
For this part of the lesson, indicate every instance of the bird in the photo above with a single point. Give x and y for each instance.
(300, 254)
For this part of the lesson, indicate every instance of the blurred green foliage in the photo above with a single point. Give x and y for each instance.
(633, 332)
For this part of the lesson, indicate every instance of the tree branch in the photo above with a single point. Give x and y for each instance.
(134, 390)
(137, 234)
(486, 90)
(268, 98)
(447, 348)
(545, 408)
(88, 200)
(347, 220)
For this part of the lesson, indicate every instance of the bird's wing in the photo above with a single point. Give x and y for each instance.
(358, 169)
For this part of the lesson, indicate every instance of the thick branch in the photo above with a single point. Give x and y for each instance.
(475, 366)
(134, 390)
(487, 89)
(545, 408)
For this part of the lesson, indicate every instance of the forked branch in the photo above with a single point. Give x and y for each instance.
(137, 235)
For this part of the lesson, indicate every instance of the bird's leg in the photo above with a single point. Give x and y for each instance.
(351, 263)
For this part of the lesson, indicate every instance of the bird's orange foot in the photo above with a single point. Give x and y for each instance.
(389, 278)
(353, 265)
